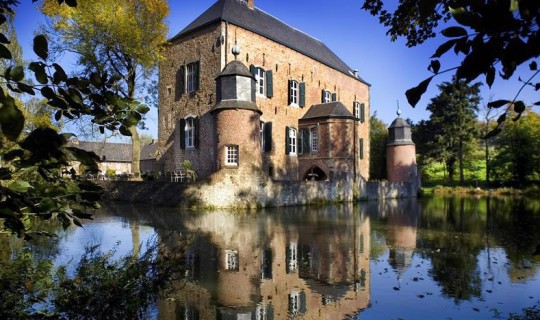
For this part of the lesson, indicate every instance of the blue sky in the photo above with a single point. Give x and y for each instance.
(354, 35)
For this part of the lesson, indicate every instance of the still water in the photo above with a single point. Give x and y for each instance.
(435, 258)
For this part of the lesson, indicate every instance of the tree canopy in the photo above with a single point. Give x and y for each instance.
(31, 183)
(118, 37)
(492, 38)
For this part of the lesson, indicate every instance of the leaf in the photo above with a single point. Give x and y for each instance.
(41, 47)
(71, 3)
(142, 108)
(519, 106)
(48, 93)
(490, 76)
(19, 186)
(443, 48)
(39, 72)
(464, 17)
(454, 32)
(492, 133)
(537, 103)
(124, 131)
(11, 119)
(414, 94)
(4, 52)
(16, 73)
(3, 39)
(59, 74)
(498, 103)
(502, 118)
(533, 66)
(23, 87)
(434, 66)
(95, 79)
(58, 115)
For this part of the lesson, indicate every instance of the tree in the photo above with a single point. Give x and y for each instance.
(492, 37)
(453, 124)
(30, 173)
(378, 133)
(518, 150)
(118, 37)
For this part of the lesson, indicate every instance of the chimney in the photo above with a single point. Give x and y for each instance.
(251, 4)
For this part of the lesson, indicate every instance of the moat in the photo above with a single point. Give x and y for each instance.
(436, 258)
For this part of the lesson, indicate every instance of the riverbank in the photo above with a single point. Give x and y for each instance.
(477, 191)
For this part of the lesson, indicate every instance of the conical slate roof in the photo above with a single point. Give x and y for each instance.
(255, 20)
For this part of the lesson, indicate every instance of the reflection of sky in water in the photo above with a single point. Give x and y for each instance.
(413, 294)
(111, 233)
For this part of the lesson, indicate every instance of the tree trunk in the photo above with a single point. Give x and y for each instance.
(487, 161)
(460, 155)
(136, 152)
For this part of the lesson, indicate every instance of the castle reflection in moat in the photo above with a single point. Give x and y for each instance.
(310, 263)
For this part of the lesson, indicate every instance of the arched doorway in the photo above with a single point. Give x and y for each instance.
(315, 174)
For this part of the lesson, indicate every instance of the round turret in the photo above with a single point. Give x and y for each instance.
(401, 153)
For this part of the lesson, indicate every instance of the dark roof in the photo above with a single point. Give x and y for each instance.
(399, 123)
(116, 152)
(328, 110)
(107, 151)
(235, 104)
(235, 68)
(148, 151)
(260, 22)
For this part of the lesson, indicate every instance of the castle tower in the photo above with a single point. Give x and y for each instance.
(401, 153)
(237, 119)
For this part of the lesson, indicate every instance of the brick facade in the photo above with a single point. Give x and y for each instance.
(211, 46)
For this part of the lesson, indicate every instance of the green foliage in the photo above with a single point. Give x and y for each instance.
(378, 133)
(187, 166)
(491, 37)
(518, 150)
(101, 287)
(450, 133)
(30, 177)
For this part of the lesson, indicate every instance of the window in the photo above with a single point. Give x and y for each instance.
(192, 74)
(293, 92)
(297, 302)
(231, 155)
(292, 257)
(187, 79)
(290, 141)
(231, 260)
(356, 107)
(326, 96)
(189, 128)
(189, 133)
(314, 137)
(169, 90)
(264, 86)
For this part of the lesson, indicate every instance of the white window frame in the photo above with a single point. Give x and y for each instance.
(327, 96)
(231, 155)
(189, 133)
(260, 76)
(262, 135)
(293, 256)
(294, 91)
(191, 77)
(357, 110)
(232, 260)
(294, 302)
(314, 139)
(292, 141)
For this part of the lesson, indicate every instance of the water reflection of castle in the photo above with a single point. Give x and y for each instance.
(313, 265)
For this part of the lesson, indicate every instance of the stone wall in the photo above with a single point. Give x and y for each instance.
(390, 190)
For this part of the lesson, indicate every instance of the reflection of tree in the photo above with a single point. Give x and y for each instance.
(452, 243)
(516, 227)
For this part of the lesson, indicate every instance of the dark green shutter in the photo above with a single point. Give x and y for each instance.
(362, 113)
(361, 148)
(303, 306)
(289, 98)
(180, 82)
(270, 312)
(197, 68)
(267, 133)
(269, 84)
(287, 146)
(322, 96)
(302, 100)
(305, 141)
(252, 69)
(334, 97)
(182, 133)
(196, 132)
